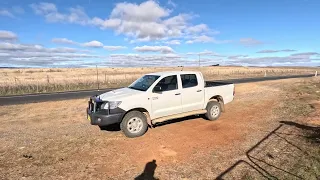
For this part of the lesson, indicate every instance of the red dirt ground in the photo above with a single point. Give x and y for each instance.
(53, 140)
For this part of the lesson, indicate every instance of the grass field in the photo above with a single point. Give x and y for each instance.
(24, 81)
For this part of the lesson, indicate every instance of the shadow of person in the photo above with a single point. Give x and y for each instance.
(148, 171)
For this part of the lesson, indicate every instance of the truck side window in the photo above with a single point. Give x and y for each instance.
(168, 83)
(189, 80)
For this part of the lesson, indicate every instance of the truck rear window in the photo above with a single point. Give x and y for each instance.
(189, 80)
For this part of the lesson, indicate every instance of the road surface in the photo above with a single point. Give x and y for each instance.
(32, 98)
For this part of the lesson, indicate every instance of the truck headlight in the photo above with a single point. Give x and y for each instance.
(114, 104)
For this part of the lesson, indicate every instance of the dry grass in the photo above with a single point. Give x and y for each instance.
(291, 149)
(24, 81)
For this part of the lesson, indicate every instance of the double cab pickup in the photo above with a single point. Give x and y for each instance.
(158, 97)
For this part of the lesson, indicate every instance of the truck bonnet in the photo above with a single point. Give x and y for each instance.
(119, 94)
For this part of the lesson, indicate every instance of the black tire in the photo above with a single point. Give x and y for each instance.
(213, 116)
(134, 117)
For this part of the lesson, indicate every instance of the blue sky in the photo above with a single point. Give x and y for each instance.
(159, 33)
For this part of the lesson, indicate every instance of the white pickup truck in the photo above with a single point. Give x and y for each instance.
(159, 97)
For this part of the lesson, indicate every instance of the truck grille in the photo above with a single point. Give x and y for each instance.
(94, 104)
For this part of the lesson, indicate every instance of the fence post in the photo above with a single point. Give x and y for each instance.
(316, 74)
(48, 79)
(265, 73)
(105, 77)
(97, 77)
(37, 86)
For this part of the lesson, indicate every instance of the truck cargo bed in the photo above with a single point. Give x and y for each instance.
(215, 83)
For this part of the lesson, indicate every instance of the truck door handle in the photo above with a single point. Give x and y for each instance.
(154, 98)
(177, 94)
(199, 90)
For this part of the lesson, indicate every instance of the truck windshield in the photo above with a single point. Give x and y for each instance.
(144, 82)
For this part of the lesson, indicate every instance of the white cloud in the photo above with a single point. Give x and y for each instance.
(275, 51)
(206, 39)
(148, 11)
(250, 42)
(147, 21)
(4, 12)
(198, 28)
(6, 46)
(7, 35)
(44, 8)
(139, 60)
(173, 42)
(237, 56)
(204, 53)
(306, 54)
(36, 55)
(171, 3)
(94, 44)
(299, 59)
(162, 49)
(10, 12)
(176, 25)
(203, 39)
(63, 41)
(107, 23)
(207, 52)
(75, 15)
(114, 48)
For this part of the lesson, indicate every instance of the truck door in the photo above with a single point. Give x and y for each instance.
(167, 99)
(192, 92)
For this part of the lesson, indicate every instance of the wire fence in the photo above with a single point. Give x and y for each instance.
(25, 81)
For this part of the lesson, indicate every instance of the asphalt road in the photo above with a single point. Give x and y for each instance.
(32, 98)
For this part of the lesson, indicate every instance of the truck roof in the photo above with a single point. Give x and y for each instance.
(165, 73)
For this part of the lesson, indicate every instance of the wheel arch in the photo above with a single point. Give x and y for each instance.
(144, 111)
(219, 99)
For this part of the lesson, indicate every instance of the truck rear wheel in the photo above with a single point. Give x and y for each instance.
(213, 110)
(134, 124)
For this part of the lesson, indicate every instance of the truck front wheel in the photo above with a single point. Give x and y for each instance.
(213, 110)
(134, 124)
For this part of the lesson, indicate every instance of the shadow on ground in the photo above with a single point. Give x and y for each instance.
(112, 127)
(290, 151)
(148, 172)
(176, 120)
(116, 127)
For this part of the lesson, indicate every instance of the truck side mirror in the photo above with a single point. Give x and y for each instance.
(157, 89)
